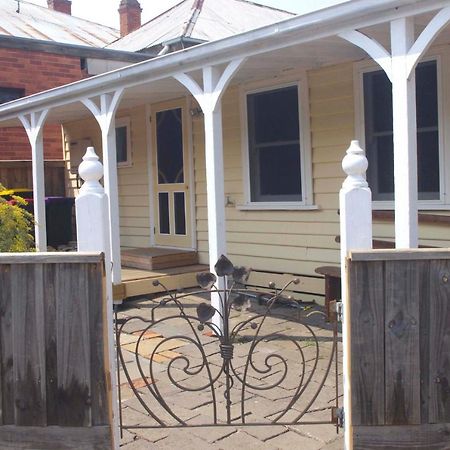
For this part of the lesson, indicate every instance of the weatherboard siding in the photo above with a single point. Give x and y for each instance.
(280, 241)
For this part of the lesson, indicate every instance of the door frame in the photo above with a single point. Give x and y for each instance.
(185, 103)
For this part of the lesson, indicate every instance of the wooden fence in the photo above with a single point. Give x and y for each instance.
(54, 381)
(17, 174)
(400, 349)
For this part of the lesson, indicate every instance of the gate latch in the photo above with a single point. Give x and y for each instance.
(339, 308)
(338, 416)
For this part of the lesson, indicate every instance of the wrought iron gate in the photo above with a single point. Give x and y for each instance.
(268, 363)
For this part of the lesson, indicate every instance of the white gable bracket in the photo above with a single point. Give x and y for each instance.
(107, 109)
(373, 48)
(214, 84)
(423, 42)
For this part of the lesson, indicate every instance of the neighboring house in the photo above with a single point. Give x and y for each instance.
(255, 173)
(42, 48)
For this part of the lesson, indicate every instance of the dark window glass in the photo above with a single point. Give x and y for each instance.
(379, 134)
(169, 138)
(10, 94)
(180, 213)
(164, 219)
(274, 145)
(121, 144)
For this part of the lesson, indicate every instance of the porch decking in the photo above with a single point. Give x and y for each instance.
(140, 282)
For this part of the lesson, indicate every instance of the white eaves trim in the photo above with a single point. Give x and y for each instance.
(323, 23)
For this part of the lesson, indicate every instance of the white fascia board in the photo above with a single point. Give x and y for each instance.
(324, 23)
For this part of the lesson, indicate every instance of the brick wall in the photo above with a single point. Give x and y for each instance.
(34, 72)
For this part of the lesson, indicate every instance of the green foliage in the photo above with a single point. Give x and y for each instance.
(15, 226)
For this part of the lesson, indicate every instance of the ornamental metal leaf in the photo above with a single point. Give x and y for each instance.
(224, 267)
(241, 274)
(206, 280)
(205, 312)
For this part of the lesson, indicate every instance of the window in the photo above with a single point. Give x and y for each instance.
(379, 135)
(276, 150)
(123, 142)
(10, 94)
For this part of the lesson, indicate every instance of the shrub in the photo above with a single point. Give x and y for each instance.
(16, 225)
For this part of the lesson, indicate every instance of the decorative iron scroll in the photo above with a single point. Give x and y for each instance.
(220, 368)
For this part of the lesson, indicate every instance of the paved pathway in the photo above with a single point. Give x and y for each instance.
(162, 351)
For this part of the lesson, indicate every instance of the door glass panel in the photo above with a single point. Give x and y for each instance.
(169, 138)
(180, 213)
(164, 219)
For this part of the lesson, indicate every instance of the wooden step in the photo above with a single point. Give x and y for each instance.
(158, 258)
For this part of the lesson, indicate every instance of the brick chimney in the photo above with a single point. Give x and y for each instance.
(64, 6)
(130, 16)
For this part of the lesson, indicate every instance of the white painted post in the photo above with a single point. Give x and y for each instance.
(355, 202)
(104, 113)
(34, 127)
(210, 99)
(215, 188)
(405, 135)
(91, 206)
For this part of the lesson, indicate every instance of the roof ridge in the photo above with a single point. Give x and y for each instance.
(191, 22)
(267, 6)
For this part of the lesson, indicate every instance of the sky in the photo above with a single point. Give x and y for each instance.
(105, 11)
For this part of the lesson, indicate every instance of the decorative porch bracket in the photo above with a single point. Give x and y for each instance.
(209, 98)
(34, 126)
(399, 66)
(104, 108)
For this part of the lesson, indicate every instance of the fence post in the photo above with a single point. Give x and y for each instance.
(91, 207)
(355, 203)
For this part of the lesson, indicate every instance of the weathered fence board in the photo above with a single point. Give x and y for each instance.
(53, 360)
(368, 376)
(400, 349)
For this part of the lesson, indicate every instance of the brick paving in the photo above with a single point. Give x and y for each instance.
(164, 352)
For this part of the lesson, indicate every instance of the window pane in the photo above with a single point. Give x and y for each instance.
(428, 166)
(169, 138)
(426, 95)
(274, 147)
(164, 226)
(379, 137)
(121, 144)
(273, 115)
(180, 213)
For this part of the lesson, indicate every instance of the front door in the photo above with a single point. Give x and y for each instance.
(171, 170)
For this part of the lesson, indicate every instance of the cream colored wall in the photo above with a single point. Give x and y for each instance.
(281, 241)
(133, 179)
(293, 241)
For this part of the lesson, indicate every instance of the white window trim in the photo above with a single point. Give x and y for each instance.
(305, 147)
(443, 69)
(125, 122)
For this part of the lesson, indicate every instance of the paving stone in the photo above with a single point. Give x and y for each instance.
(147, 346)
(323, 433)
(337, 444)
(127, 437)
(266, 432)
(152, 434)
(294, 441)
(212, 434)
(140, 444)
(242, 440)
(183, 439)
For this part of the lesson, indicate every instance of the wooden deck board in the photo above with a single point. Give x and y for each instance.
(154, 258)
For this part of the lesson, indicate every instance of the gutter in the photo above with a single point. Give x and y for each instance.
(82, 51)
(321, 24)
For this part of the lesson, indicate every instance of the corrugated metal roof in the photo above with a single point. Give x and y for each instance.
(207, 20)
(37, 22)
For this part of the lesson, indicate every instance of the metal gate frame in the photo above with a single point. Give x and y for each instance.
(235, 296)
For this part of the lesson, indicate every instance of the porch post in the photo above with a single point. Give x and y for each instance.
(104, 113)
(209, 98)
(215, 188)
(399, 66)
(405, 135)
(34, 124)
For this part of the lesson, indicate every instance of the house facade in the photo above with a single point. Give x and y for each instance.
(235, 146)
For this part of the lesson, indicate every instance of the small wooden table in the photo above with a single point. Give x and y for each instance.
(332, 285)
